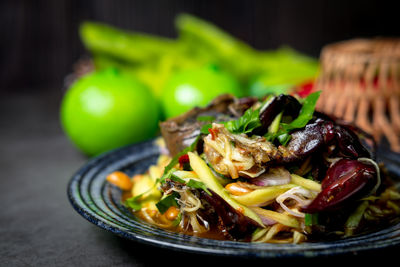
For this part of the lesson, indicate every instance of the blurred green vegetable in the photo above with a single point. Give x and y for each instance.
(232, 54)
(150, 58)
(196, 87)
(156, 60)
(241, 59)
(132, 47)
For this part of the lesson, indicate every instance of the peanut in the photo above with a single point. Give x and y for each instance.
(237, 190)
(171, 213)
(120, 180)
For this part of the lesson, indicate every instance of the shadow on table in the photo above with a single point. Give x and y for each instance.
(147, 255)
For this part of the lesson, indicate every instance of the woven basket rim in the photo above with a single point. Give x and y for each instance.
(362, 49)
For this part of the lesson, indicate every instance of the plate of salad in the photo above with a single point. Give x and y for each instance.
(261, 177)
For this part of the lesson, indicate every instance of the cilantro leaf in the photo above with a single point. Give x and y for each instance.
(168, 201)
(205, 127)
(245, 124)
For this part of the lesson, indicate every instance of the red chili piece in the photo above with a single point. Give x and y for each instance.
(345, 180)
(184, 159)
(213, 132)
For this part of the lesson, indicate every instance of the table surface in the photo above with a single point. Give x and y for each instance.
(39, 227)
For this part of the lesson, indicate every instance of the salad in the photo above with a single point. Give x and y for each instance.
(262, 170)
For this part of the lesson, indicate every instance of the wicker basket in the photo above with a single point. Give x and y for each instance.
(360, 83)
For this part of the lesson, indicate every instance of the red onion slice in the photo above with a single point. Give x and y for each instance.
(300, 195)
(265, 220)
(275, 176)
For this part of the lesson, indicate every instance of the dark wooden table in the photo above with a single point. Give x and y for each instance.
(38, 226)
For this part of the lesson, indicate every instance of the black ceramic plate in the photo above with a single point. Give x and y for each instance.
(99, 203)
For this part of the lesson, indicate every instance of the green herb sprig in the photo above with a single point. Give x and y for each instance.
(245, 124)
(305, 115)
(135, 202)
(170, 200)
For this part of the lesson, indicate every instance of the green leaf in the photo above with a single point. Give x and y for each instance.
(198, 185)
(205, 118)
(270, 137)
(175, 160)
(133, 203)
(245, 124)
(168, 201)
(166, 175)
(205, 127)
(177, 179)
(305, 115)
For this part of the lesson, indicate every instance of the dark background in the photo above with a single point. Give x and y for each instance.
(40, 42)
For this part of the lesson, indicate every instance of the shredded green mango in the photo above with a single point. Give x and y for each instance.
(260, 196)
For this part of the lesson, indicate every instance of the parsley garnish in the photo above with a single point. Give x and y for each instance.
(245, 124)
(205, 127)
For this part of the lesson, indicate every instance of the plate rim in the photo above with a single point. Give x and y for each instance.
(335, 247)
